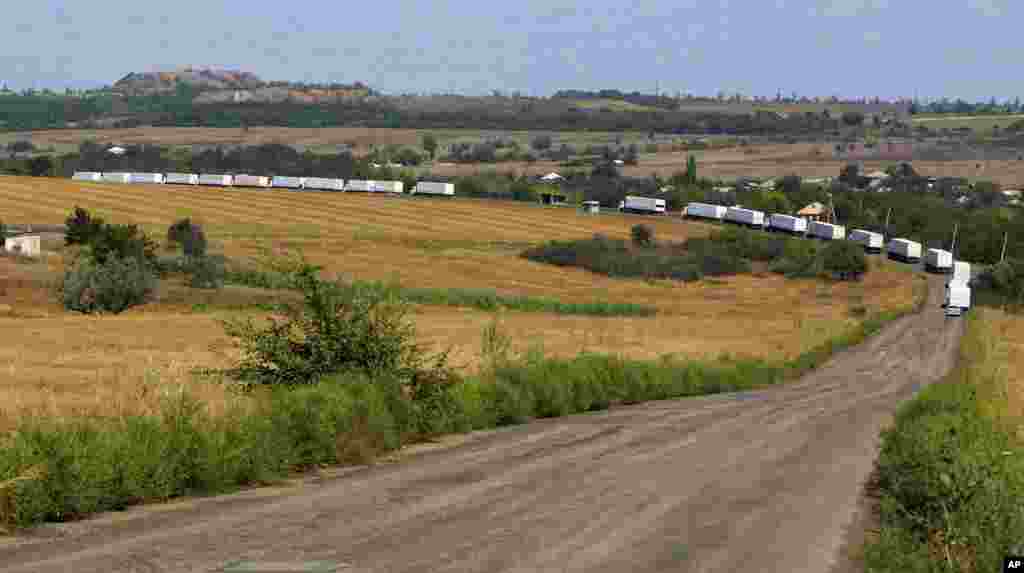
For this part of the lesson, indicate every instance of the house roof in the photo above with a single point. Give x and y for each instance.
(877, 175)
(812, 209)
(551, 176)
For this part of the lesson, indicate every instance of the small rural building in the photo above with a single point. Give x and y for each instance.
(552, 177)
(27, 245)
(815, 212)
(116, 150)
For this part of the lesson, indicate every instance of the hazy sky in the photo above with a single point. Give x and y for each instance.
(966, 48)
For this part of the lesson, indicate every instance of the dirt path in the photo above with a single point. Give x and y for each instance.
(763, 481)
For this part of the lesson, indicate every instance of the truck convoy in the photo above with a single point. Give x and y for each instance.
(787, 224)
(646, 205)
(938, 261)
(904, 250)
(826, 231)
(704, 211)
(871, 241)
(741, 216)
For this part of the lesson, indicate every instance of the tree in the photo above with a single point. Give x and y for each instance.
(40, 166)
(642, 235)
(20, 146)
(430, 145)
(853, 118)
(81, 227)
(845, 260)
(631, 155)
(541, 142)
(691, 169)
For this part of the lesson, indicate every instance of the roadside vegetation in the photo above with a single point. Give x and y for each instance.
(950, 476)
(335, 377)
(728, 251)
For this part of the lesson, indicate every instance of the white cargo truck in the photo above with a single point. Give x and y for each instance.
(359, 185)
(871, 241)
(938, 261)
(288, 182)
(826, 231)
(961, 272)
(904, 250)
(325, 184)
(119, 177)
(87, 176)
(958, 298)
(647, 205)
(433, 188)
(181, 179)
(146, 178)
(218, 180)
(787, 224)
(704, 211)
(244, 180)
(741, 216)
(387, 187)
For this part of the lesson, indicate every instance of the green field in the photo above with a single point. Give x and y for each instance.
(978, 123)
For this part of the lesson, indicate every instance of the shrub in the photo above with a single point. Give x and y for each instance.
(800, 259)
(112, 285)
(334, 330)
(541, 142)
(81, 227)
(643, 236)
(845, 260)
(106, 240)
(206, 272)
(189, 235)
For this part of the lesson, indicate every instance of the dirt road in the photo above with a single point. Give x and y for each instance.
(765, 481)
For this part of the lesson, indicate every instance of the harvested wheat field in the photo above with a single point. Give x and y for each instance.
(1005, 342)
(62, 363)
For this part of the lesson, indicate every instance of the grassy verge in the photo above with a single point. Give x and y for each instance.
(950, 473)
(481, 299)
(59, 470)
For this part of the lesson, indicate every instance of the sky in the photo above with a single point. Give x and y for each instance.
(848, 48)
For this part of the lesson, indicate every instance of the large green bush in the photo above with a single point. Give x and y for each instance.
(113, 285)
(844, 260)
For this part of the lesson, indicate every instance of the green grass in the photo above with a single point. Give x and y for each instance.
(978, 123)
(950, 476)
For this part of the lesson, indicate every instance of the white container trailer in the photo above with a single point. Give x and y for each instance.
(787, 224)
(741, 216)
(704, 211)
(119, 177)
(434, 188)
(146, 178)
(359, 185)
(904, 250)
(961, 272)
(634, 204)
(325, 184)
(288, 182)
(871, 241)
(826, 231)
(181, 179)
(25, 245)
(251, 181)
(958, 298)
(938, 261)
(218, 180)
(87, 176)
(387, 187)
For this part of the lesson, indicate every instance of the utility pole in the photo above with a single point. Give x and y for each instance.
(952, 249)
(1003, 254)
(887, 222)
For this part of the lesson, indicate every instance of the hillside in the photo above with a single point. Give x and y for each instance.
(148, 83)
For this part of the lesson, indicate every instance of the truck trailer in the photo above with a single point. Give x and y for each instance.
(646, 205)
(871, 241)
(325, 184)
(118, 177)
(87, 176)
(704, 211)
(741, 216)
(146, 178)
(181, 179)
(288, 182)
(938, 261)
(904, 250)
(216, 180)
(961, 272)
(958, 298)
(826, 231)
(787, 224)
(244, 180)
(359, 185)
(387, 187)
(433, 188)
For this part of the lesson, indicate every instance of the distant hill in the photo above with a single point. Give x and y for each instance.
(145, 83)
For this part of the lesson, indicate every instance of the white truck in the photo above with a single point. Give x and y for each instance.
(871, 241)
(87, 176)
(741, 216)
(325, 184)
(704, 211)
(433, 188)
(217, 180)
(649, 205)
(938, 261)
(244, 180)
(961, 272)
(387, 187)
(288, 182)
(826, 231)
(118, 177)
(146, 178)
(181, 179)
(787, 224)
(958, 298)
(904, 250)
(359, 185)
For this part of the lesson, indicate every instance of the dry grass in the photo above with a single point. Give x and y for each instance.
(1005, 364)
(62, 364)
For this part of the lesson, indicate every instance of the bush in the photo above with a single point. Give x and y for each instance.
(112, 285)
(643, 236)
(800, 259)
(81, 227)
(189, 235)
(845, 260)
(206, 272)
(105, 240)
(334, 330)
(541, 142)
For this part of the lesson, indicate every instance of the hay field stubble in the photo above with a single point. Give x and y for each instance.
(60, 363)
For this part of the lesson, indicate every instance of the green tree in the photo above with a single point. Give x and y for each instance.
(691, 169)
(642, 235)
(81, 227)
(541, 142)
(845, 260)
(430, 145)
